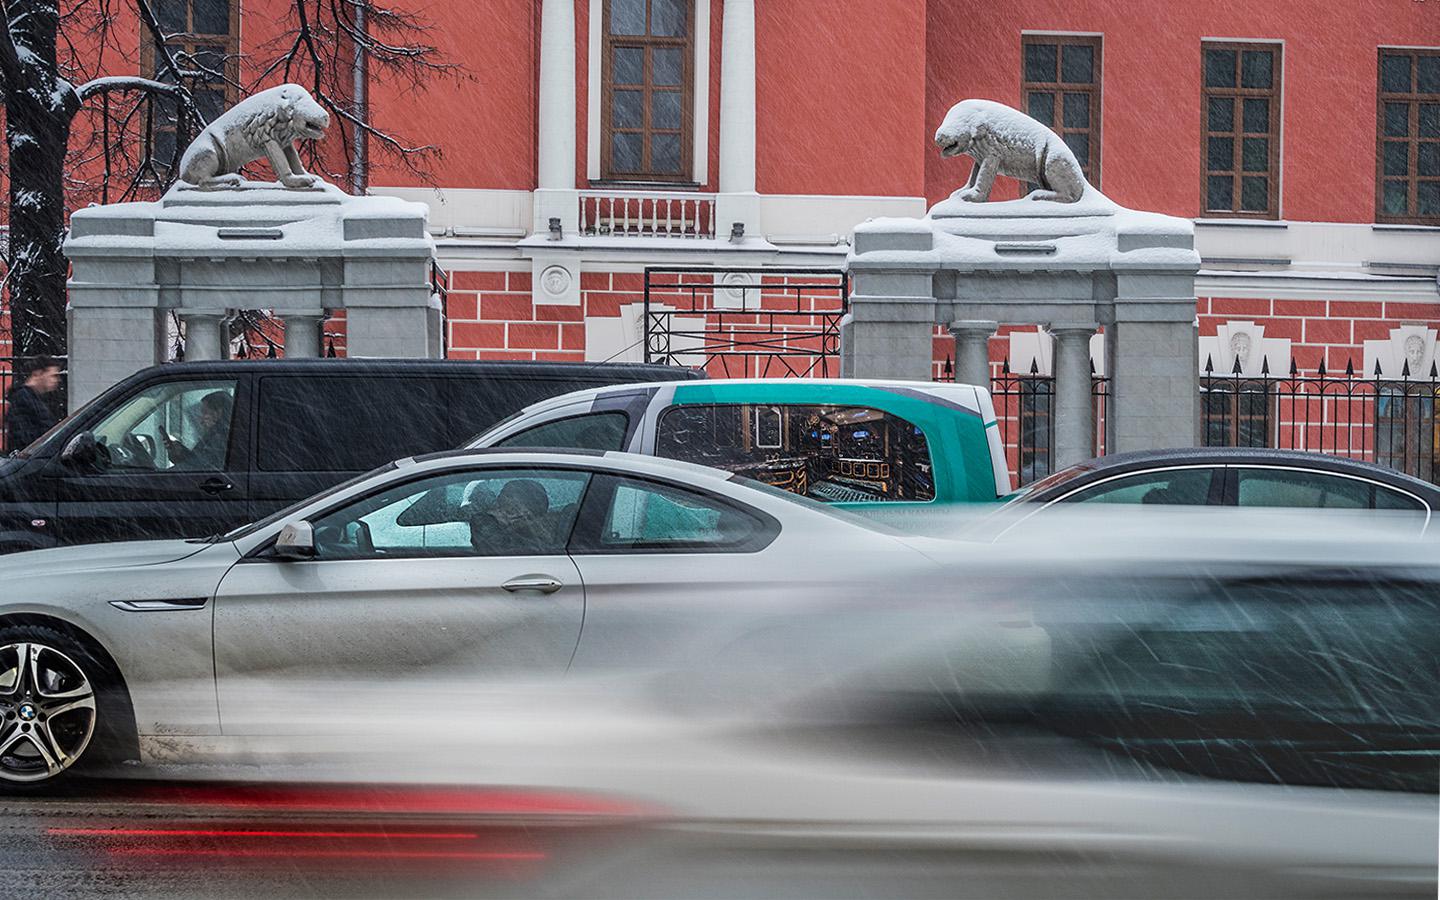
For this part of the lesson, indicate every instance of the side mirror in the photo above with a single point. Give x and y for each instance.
(84, 452)
(295, 542)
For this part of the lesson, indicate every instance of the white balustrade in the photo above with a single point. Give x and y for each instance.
(647, 214)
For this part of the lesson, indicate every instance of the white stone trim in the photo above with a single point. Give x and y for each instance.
(737, 98)
(700, 113)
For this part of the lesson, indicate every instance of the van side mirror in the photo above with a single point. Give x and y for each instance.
(295, 542)
(84, 452)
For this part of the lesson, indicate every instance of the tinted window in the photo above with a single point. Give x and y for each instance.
(834, 453)
(626, 515)
(1388, 499)
(1172, 487)
(172, 426)
(596, 431)
(488, 513)
(347, 423)
(1310, 490)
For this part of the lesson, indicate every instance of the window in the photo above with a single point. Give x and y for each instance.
(1171, 487)
(1061, 84)
(828, 452)
(646, 100)
(595, 431)
(1408, 144)
(488, 513)
(347, 423)
(627, 515)
(181, 426)
(1316, 490)
(203, 36)
(1241, 118)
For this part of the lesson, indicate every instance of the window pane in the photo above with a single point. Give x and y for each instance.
(171, 14)
(665, 107)
(1042, 108)
(1041, 62)
(665, 154)
(1395, 74)
(210, 103)
(667, 65)
(1180, 487)
(211, 58)
(181, 426)
(1396, 197)
(493, 513)
(1219, 68)
(667, 17)
(1429, 159)
(830, 453)
(1077, 64)
(1430, 120)
(1221, 155)
(1255, 68)
(596, 431)
(1427, 74)
(1308, 490)
(1256, 153)
(626, 111)
(163, 147)
(1397, 158)
(1254, 194)
(627, 16)
(1257, 116)
(625, 153)
(1397, 119)
(357, 415)
(628, 65)
(1222, 114)
(212, 16)
(1427, 195)
(1220, 193)
(652, 516)
(1388, 499)
(1077, 110)
(1079, 144)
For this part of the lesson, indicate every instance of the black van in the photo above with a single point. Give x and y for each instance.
(190, 449)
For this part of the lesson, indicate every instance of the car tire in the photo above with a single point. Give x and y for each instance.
(61, 708)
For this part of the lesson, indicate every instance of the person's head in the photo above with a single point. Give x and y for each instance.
(214, 410)
(43, 374)
(520, 500)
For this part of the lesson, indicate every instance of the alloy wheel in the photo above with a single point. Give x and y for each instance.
(47, 712)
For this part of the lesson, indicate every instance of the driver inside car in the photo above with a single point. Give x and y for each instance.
(515, 524)
(208, 451)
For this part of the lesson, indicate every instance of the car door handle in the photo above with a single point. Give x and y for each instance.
(216, 485)
(545, 584)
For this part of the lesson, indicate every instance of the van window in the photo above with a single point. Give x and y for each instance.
(592, 431)
(348, 423)
(181, 426)
(832, 453)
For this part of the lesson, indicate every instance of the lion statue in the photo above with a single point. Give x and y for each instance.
(1005, 141)
(267, 125)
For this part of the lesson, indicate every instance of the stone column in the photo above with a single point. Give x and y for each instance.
(302, 337)
(738, 201)
(204, 335)
(1074, 415)
(972, 350)
(555, 195)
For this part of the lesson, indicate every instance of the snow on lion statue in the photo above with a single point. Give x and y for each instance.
(1005, 141)
(266, 125)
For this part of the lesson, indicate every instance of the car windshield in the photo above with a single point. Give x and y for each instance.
(1054, 479)
(245, 531)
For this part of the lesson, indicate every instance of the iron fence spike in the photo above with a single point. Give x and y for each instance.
(1434, 373)
(1405, 369)
(1265, 367)
(1378, 373)
(1034, 366)
(1235, 369)
(1294, 369)
(1209, 364)
(1321, 368)
(1005, 366)
(1350, 366)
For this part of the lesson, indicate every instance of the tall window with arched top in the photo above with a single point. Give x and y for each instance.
(647, 94)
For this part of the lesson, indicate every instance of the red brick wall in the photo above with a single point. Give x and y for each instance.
(1333, 330)
(490, 315)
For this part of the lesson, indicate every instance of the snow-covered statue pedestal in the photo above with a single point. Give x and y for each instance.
(1066, 258)
(210, 247)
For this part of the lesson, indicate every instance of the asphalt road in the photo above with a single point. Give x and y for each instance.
(198, 837)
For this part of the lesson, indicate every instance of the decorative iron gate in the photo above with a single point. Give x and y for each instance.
(746, 322)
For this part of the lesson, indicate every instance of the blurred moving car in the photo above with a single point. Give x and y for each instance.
(847, 442)
(1234, 476)
(189, 449)
(459, 567)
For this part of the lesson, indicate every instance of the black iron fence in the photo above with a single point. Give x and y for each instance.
(746, 322)
(1389, 421)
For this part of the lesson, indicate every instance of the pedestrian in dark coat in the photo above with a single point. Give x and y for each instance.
(27, 413)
